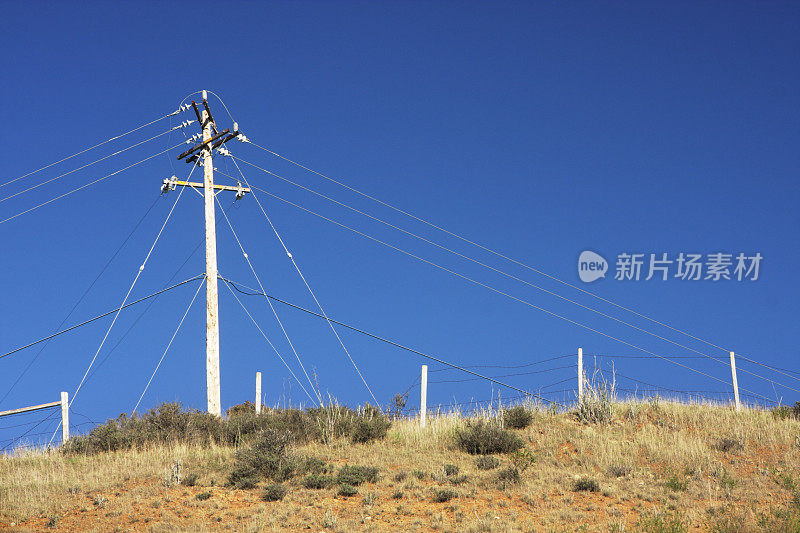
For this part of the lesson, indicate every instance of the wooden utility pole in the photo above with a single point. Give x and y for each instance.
(580, 374)
(735, 382)
(212, 307)
(212, 139)
(423, 398)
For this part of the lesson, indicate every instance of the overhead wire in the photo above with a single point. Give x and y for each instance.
(511, 276)
(477, 262)
(493, 289)
(272, 308)
(499, 254)
(81, 167)
(254, 292)
(305, 282)
(83, 295)
(88, 184)
(91, 147)
(253, 320)
(133, 284)
(98, 317)
(149, 381)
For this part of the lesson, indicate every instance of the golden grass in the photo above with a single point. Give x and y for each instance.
(651, 457)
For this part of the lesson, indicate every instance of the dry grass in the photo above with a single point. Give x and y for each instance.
(637, 459)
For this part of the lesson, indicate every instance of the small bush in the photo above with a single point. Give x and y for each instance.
(783, 412)
(397, 495)
(587, 485)
(597, 404)
(190, 480)
(458, 480)
(517, 417)
(450, 470)
(356, 475)
(273, 493)
(482, 438)
(347, 490)
(620, 470)
(726, 445)
(444, 495)
(317, 482)
(661, 523)
(400, 476)
(509, 475)
(419, 474)
(266, 458)
(203, 496)
(487, 462)
(677, 484)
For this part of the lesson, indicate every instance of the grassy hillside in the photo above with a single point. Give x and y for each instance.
(654, 466)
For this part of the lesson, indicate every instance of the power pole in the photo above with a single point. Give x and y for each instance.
(212, 307)
(211, 140)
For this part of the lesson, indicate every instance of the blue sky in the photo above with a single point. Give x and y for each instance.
(537, 129)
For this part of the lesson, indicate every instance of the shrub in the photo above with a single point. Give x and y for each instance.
(661, 523)
(677, 484)
(450, 470)
(487, 462)
(347, 490)
(517, 417)
(401, 476)
(419, 474)
(356, 475)
(336, 421)
(459, 480)
(203, 496)
(509, 475)
(444, 495)
(588, 485)
(783, 412)
(317, 482)
(482, 438)
(726, 445)
(190, 480)
(597, 404)
(620, 470)
(273, 493)
(265, 458)
(397, 495)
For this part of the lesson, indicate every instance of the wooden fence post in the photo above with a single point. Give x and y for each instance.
(423, 400)
(735, 383)
(258, 393)
(64, 417)
(580, 374)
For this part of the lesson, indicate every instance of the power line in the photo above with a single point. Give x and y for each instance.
(124, 300)
(506, 375)
(511, 276)
(98, 317)
(275, 313)
(89, 288)
(81, 167)
(480, 263)
(377, 337)
(476, 282)
(485, 248)
(252, 319)
(88, 184)
(305, 282)
(200, 286)
(91, 148)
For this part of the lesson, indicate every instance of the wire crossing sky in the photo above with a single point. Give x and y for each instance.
(409, 156)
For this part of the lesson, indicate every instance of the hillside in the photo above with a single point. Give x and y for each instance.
(654, 466)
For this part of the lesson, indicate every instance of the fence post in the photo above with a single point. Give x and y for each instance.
(64, 417)
(258, 393)
(580, 374)
(423, 400)
(735, 383)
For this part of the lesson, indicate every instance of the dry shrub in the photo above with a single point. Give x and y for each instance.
(485, 438)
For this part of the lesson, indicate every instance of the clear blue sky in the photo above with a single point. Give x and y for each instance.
(538, 129)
